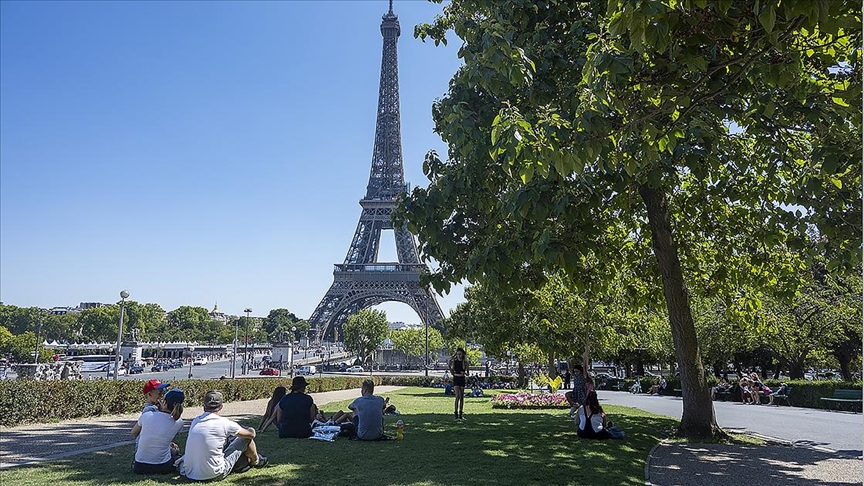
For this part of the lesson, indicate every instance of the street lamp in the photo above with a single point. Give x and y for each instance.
(38, 331)
(124, 294)
(246, 343)
(191, 360)
(293, 334)
(234, 357)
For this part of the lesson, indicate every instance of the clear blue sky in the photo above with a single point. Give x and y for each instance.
(194, 152)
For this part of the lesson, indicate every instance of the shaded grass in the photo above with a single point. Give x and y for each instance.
(491, 447)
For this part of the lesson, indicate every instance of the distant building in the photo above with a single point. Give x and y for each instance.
(219, 316)
(61, 311)
(90, 305)
(398, 326)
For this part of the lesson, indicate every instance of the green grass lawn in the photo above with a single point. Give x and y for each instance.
(492, 446)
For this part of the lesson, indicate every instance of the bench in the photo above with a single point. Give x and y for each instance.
(732, 393)
(677, 392)
(844, 396)
(778, 398)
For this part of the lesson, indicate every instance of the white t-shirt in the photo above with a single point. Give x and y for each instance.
(204, 458)
(596, 420)
(154, 442)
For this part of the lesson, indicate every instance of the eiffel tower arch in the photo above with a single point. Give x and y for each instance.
(362, 281)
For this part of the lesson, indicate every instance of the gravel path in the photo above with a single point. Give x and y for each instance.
(27, 444)
(725, 465)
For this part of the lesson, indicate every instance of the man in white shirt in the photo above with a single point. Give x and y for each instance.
(207, 457)
(155, 430)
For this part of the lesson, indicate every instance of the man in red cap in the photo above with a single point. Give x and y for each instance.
(153, 390)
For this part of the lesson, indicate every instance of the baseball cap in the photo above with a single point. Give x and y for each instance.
(174, 396)
(154, 385)
(213, 399)
(298, 383)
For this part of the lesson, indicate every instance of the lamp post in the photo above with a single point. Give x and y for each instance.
(293, 335)
(246, 343)
(124, 294)
(38, 331)
(191, 359)
(234, 357)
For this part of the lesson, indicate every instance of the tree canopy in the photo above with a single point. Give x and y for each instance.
(720, 140)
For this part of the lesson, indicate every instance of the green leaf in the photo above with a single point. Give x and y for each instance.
(837, 182)
(768, 18)
(496, 132)
(840, 101)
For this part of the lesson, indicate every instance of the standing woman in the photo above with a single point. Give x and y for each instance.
(458, 368)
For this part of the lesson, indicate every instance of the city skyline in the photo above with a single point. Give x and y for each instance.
(195, 153)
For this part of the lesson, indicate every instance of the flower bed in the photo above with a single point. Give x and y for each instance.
(529, 400)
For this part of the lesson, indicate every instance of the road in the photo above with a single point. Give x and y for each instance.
(840, 432)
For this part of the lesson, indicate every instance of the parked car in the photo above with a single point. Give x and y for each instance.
(137, 369)
(160, 367)
(199, 361)
(177, 363)
(354, 369)
(269, 371)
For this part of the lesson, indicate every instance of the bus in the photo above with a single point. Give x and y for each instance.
(95, 363)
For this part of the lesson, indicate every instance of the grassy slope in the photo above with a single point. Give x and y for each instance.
(491, 447)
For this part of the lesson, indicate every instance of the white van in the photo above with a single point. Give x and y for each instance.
(308, 370)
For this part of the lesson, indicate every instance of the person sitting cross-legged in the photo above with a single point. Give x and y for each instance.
(296, 411)
(207, 456)
(369, 413)
(155, 453)
(592, 423)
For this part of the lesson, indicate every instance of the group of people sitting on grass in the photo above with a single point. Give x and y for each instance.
(295, 414)
(752, 390)
(215, 447)
(591, 420)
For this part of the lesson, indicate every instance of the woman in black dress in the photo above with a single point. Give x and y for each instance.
(459, 370)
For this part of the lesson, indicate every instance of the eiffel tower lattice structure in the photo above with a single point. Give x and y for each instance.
(361, 281)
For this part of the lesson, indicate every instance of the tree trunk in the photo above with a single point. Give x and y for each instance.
(520, 379)
(586, 363)
(796, 370)
(844, 358)
(698, 420)
(552, 370)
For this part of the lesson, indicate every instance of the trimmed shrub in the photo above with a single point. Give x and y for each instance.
(30, 401)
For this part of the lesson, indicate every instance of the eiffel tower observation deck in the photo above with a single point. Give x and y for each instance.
(362, 281)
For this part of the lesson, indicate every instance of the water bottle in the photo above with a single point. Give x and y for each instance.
(400, 430)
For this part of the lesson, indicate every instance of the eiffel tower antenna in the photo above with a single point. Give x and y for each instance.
(362, 281)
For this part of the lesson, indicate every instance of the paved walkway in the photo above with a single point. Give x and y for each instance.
(27, 444)
(806, 447)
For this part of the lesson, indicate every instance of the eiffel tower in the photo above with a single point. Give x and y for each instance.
(362, 281)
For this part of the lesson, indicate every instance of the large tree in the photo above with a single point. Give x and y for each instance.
(412, 342)
(364, 332)
(711, 132)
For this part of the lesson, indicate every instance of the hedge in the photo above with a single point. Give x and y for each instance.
(30, 401)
